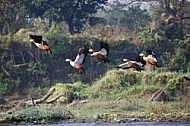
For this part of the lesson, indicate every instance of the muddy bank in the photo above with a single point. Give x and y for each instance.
(97, 118)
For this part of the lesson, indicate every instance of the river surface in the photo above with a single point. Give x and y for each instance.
(118, 124)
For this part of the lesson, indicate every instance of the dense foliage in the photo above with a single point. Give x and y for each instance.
(128, 28)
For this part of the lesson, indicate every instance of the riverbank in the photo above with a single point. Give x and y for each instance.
(99, 112)
(101, 118)
(120, 96)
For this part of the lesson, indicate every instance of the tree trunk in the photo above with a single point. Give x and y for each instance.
(70, 25)
(69, 19)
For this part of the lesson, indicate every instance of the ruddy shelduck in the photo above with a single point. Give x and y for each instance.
(151, 58)
(102, 53)
(79, 60)
(40, 43)
(132, 64)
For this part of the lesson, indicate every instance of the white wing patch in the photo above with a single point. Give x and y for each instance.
(79, 58)
(124, 65)
(138, 63)
(152, 57)
(37, 44)
(103, 52)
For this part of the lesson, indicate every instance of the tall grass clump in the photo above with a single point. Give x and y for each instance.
(70, 91)
(40, 113)
(113, 82)
(125, 83)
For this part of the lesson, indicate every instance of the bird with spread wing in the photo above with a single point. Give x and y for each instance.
(151, 58)
(102, 53)
(136, 64)
(79, 60)
(40, 43)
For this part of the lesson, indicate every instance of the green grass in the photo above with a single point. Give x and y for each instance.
(41, 113)
(133, 89)
(124, 83)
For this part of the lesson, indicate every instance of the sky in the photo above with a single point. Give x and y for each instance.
(144, 5)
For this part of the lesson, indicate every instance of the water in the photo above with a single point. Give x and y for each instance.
(119, 124)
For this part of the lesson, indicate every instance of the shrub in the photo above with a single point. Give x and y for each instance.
(70, 91)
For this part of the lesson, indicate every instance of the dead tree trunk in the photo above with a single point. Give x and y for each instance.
(54, 99)
(41, 100)
(154, 95)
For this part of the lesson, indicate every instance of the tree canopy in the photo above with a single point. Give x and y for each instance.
(74, 12)
(129, 27)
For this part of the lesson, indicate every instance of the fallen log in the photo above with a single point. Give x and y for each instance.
(154, 95)
(41, 100)
(83, 101)
(75, 102)
(116, 101)
(55, 98)
(160, 95)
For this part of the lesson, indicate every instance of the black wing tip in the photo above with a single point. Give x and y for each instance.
(187, 78)
(83, 49)
(139, 69)
(82, 70)
(104, 45)
(149, 51)
(140, 59)
(44, 43)
(37, 38)
(35, 35)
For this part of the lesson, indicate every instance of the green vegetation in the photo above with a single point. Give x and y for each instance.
(70, 91)
(37, 116)
(129, 29)
(117, 96)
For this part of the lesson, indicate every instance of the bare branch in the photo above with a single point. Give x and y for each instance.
(20, 65)
(41, 100)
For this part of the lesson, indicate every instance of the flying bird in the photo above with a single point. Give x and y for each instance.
(79, 60)
(138, 65)
(151, 58)
(40, 43)
(102, 53)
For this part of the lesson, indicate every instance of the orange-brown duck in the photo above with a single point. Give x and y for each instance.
(79, 60)
(102, 53)
(151, 58)
(138, 65)
(40, 43)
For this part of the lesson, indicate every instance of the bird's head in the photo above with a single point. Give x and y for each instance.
(142, 54)
(31, 40)
(125, 60)
(67, 60)
(91, 50)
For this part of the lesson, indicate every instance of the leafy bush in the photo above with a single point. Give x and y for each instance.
(22, 35)
(71, 91)
(175, 86)
(124, 83)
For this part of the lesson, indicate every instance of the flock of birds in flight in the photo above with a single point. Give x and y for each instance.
(138, 64)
